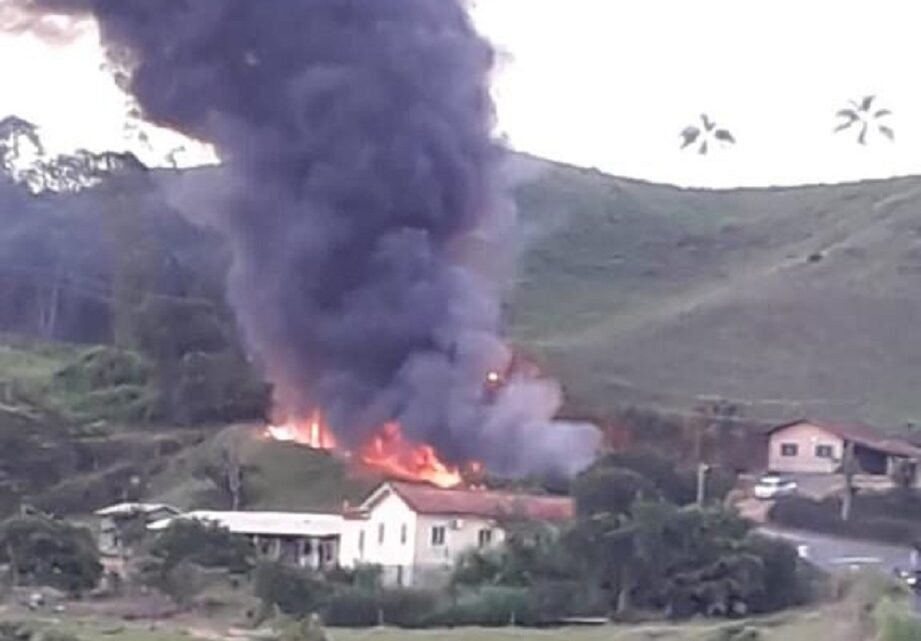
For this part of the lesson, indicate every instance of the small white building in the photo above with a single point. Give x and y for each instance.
(307, 540)
(415, 533)
(116, 520)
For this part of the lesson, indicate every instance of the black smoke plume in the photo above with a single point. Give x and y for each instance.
(362, 200)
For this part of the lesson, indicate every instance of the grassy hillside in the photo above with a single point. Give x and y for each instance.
(793, 300)
(277, 476)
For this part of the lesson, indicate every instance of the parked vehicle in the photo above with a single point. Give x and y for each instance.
(772, 486)
(911, 578)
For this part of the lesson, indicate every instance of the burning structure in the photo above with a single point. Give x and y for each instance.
(362, 199)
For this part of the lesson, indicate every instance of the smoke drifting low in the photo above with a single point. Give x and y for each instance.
(361, 198)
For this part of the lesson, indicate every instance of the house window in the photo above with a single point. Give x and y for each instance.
(789, 449)
(361, 544)
(484, 537)
(404, 534)
(438, 535)
(380, 533)
(824, 451)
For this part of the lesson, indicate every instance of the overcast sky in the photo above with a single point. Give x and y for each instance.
(611, 84)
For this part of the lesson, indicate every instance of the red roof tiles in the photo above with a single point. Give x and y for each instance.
(427, 499)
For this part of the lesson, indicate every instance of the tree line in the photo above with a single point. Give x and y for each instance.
(90, 252)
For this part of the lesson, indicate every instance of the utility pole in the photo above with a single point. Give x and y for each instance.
(849, 468)
(702, 471)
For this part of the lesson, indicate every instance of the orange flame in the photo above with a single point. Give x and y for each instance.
(389, 451)
(312, 432)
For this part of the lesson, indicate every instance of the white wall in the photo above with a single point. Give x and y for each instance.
(461, 534)
(417, 560)
(348, 544)
(393, 515)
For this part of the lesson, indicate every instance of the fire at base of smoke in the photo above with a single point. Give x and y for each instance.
(366, 215)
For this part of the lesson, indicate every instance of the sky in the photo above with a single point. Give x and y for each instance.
(612, 83)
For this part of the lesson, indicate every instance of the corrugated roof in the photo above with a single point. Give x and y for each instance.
(427, 499)
(861, 435)
(130, 509)
(266, 523)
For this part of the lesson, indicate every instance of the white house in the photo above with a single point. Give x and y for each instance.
(415, 533)
(299, 538)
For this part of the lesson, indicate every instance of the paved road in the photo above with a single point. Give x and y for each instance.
(837, 554)
(833, 553)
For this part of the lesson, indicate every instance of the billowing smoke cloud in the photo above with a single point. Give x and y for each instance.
(361, 198)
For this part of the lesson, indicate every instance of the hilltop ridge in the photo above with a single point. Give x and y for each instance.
(789, 300)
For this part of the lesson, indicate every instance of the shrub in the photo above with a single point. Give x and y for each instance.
(782, 584)
(50, 553)
(894, 622)
(353, 607)
(106, 383)
(218, 387)
(607, 489)
(408, 608)
(101, 367)
(553, 600)
(825, 516)
(204, 544)
(16, 631)
(363, 576)
(306, 629)
(677, 485)
(181, 582)
(487, 607)
(293, 591)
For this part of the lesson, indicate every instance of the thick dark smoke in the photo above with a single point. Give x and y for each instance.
(361, 197)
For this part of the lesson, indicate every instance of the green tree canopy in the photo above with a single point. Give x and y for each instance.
(204, 544)
(49, 552)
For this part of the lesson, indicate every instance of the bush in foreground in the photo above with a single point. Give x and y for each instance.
(48, 552)
(865, 522)
(896, 622)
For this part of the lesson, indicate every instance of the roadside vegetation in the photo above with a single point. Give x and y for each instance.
(891, 517)
(865, 606)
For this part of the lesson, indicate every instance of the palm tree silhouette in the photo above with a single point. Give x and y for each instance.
(861, 114)
(706, 135)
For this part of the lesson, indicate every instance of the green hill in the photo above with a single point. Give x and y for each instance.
(789, 300)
